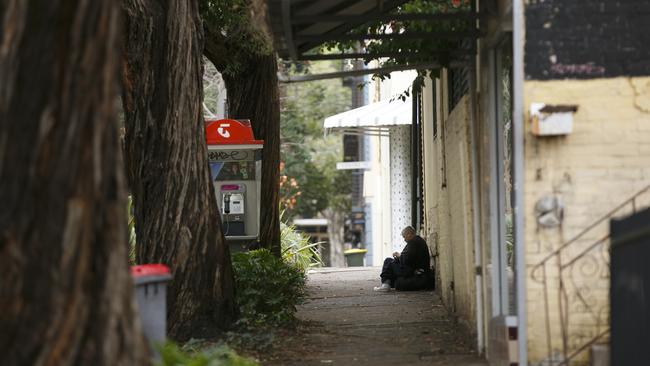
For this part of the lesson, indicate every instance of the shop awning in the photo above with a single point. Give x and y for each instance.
(372, 118)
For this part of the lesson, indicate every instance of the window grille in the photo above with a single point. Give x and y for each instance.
(458, 84)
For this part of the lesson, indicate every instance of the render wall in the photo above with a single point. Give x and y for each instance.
(461, 240)
(436, 212)
(448, 203)
(605, 160)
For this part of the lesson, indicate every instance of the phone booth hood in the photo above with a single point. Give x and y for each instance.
(235, 159)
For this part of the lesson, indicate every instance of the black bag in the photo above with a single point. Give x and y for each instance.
(423, 281)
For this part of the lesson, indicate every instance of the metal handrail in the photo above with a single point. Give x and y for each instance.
(584, 347)
(566, 264)
(608, 215)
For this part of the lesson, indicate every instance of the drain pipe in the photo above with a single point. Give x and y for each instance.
(518, 178)
(474, 145)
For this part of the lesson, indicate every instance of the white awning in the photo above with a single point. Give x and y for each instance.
(380, 114)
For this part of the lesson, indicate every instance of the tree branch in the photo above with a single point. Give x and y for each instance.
(215, 48)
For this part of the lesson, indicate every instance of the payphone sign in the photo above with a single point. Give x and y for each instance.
(230, 132)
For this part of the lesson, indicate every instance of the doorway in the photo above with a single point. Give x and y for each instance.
(499, 256)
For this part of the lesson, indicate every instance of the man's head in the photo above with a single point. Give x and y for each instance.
(408, 233)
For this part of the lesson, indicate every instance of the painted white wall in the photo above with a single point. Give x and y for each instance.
(400, 183)
(376, 188)
(397, 84)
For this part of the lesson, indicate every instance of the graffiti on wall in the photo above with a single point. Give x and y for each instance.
(231, 155)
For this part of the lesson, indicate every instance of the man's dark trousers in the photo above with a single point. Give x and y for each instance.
(391, 270)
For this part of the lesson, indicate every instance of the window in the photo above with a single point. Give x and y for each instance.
(458, 84)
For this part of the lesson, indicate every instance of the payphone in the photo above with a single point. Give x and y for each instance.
(233, 209)
(235, 159)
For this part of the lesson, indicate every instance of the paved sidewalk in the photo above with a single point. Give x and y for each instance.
(357, 326)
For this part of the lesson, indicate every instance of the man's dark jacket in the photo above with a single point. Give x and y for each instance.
(415, 256)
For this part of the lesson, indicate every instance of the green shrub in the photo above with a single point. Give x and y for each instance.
(188, 355)
(268, 288)
(297, 249)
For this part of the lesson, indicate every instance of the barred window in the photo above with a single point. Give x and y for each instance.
(458, 84)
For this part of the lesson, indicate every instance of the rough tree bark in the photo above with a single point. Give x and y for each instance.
(253, 93)
(177, 222)
(65, 290)
(335, 233)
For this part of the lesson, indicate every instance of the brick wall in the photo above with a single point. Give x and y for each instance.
(586, 39)
(605, 160)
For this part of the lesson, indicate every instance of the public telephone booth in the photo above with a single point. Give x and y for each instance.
(236, 168)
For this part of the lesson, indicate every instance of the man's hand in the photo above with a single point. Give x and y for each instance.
(396, 255)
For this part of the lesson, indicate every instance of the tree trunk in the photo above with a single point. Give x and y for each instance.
(335, 233)
(66, 296)
(253, 93)
(177, 222)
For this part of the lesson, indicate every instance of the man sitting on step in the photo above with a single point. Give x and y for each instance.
(409, 270)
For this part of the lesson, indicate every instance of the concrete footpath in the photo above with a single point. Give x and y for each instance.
(353, 325)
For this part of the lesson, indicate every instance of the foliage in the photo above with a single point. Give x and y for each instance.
(308, 156)
(297, 250)
(252, 340)
(232, 22)
(338, 181)
(192, 355)
(413, 51)
(289, 190)
(268, 288)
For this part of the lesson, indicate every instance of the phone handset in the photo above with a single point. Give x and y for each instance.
(226, 203)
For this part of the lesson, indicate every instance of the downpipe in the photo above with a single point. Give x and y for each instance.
(518, 178)
(478, 277)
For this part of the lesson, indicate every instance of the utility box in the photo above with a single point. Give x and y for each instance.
(151, 295)
(235, 159)
(552, 120)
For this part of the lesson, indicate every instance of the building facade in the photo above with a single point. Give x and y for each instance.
(544, 159)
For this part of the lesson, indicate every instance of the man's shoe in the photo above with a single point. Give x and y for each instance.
(383, 288)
